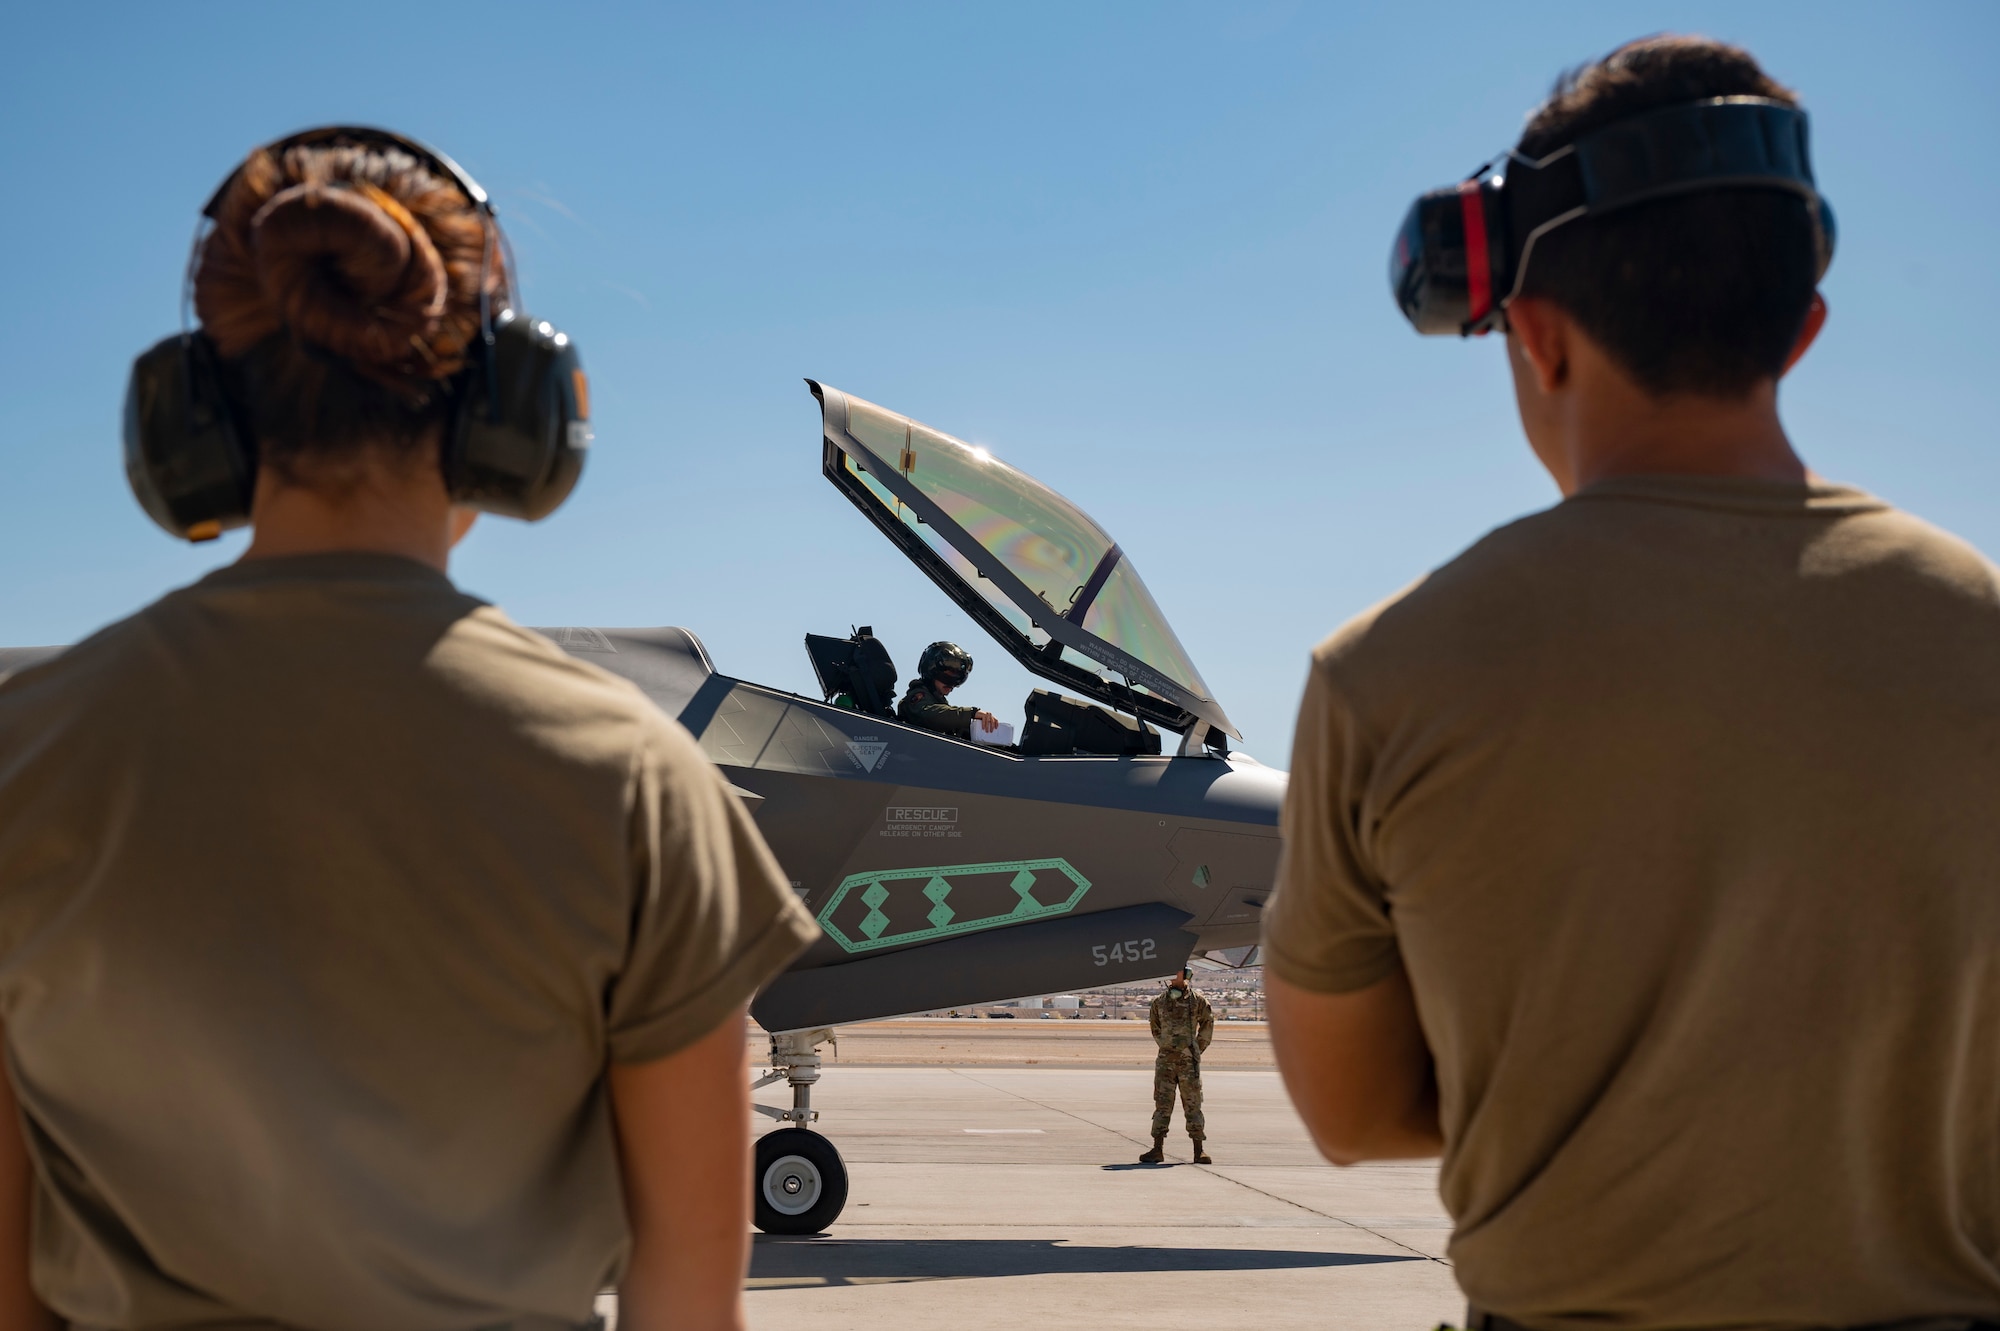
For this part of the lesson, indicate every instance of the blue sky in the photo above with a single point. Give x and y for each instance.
(1137, 250)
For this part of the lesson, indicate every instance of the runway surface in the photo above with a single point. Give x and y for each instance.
(1002, 1185)
(1028, 1042)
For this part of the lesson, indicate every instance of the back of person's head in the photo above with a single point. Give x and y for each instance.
(1702, 293)
(341, 288)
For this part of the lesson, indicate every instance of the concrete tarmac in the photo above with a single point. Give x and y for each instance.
(942, 1041)
(997, 1188)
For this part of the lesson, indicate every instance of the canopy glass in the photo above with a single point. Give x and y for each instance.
(1066, 562)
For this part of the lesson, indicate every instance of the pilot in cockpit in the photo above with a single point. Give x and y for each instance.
(943, 667)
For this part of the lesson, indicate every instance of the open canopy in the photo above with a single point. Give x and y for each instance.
(1029, 565)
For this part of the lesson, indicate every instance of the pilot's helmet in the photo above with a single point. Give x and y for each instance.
(945, 661)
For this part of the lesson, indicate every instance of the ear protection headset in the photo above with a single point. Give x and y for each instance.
(515, 436)
(1463, 252)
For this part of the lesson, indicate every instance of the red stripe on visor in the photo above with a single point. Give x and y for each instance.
(1478, 261)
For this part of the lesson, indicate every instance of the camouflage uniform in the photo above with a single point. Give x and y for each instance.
(924, 706)
(1183, 1028)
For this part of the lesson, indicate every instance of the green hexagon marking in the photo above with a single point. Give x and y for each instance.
(897, 888)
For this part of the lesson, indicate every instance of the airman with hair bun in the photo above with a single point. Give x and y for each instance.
(366, 960)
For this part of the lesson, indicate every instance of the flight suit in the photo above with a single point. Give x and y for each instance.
(1183, 1028)
(924, 706)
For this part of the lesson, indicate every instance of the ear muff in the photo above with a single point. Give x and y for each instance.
(514, 444)
(1449, 268)
(520, 431)
(185, 455)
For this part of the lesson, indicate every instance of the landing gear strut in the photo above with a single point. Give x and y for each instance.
(800, 1184)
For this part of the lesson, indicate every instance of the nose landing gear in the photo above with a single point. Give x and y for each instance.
(800, 1185)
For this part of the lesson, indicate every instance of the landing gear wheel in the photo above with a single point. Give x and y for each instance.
(800, 1184)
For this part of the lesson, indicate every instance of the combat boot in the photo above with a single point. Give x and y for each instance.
(1200, 1155)
(1157, 1155)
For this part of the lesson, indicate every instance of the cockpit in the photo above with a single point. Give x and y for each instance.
(857, 673)
(1033, 570)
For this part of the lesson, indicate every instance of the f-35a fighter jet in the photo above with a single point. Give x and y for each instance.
(946, 872)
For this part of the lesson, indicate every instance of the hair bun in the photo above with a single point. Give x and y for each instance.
(350, 270)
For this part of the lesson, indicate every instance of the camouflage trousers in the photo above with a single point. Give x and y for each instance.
(1177, 1068)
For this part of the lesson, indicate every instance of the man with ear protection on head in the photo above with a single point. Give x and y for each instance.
(1643, 860)
(364, 959)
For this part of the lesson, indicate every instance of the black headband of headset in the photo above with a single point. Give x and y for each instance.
(1720, 143)
(362, 136)
(1463, 252)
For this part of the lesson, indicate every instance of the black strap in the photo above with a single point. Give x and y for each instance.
(1724, 141)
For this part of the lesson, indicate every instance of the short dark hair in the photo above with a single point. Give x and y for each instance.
(1702, 293)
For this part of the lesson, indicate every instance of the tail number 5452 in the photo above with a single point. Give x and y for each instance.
(1132, 949)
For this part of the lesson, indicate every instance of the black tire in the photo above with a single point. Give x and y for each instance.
(800, 1184)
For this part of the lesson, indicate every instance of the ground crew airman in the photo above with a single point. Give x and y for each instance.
(1183, 1026)
(943, 667)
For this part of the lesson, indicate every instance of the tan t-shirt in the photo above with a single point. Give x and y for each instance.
(1680, 802)
(326, 895)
